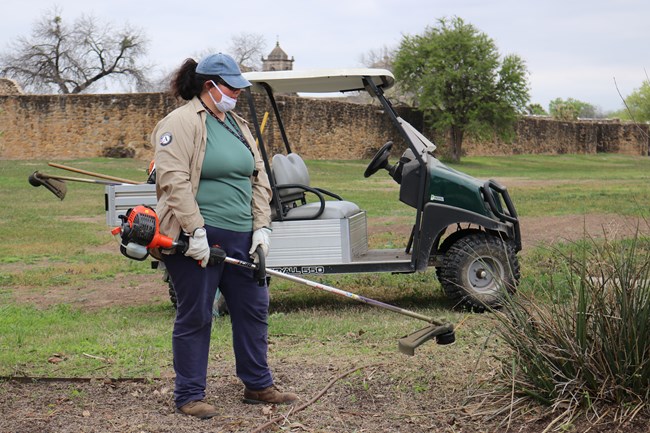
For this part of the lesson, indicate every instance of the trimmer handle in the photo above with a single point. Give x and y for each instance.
(217, 255)
(260, 270)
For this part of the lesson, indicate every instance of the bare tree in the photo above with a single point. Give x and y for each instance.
(383, 58)
(380, 58)
(70, 59)
(248, 49)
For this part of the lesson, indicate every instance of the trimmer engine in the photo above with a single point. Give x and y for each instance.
(140, 232)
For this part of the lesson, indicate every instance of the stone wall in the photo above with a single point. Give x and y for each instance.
(79, 126)
(548, 136)
(9, 87)
(327, 129)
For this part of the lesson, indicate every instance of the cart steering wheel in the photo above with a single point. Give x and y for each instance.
(379, 161)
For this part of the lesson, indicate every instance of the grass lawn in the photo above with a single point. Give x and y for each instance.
(65, 247)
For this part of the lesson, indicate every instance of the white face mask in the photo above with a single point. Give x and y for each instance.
(226, 104)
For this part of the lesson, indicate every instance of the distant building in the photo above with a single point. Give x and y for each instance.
(277, 60)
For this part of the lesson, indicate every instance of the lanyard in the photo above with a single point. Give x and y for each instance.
(234, 130)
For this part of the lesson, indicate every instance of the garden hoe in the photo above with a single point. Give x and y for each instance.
(139, 233)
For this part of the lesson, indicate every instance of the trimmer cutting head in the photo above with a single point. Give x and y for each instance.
(57, 187)
(444, 334)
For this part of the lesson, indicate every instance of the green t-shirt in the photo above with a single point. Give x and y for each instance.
(225, 192)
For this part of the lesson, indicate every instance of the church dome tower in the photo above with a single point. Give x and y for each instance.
(277, 60)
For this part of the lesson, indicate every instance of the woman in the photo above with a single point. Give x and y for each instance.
(213, 190)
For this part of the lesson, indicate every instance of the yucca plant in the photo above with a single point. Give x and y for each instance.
(581, 343)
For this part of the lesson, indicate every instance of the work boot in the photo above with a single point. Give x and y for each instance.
(269, 395)
(198, 409)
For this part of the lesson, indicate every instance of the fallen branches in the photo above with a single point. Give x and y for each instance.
(285, 417)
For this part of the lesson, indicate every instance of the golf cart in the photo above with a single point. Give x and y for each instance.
(467, 229)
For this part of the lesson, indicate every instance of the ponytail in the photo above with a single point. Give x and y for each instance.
(185, 82)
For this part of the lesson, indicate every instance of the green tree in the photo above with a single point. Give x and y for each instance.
(72, 58)
(536, 110)
(638, 104)
(571, 109)
(461, 82)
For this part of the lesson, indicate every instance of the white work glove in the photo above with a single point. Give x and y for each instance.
(199, 249)
(261, 237)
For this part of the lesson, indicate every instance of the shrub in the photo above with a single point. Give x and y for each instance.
(586, 346)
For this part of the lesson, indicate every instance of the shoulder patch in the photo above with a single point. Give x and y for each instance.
(166, 139)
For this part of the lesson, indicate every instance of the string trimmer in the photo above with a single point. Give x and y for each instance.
(139, 233)
(56, 184)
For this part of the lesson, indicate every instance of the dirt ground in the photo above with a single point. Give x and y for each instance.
(371, 399)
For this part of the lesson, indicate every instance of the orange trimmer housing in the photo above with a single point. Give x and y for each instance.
(140, 226)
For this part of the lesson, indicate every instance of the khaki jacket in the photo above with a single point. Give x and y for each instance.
(180, 142)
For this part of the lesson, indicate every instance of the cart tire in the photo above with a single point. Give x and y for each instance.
(478, 270)
(172, 294)
(170, 288)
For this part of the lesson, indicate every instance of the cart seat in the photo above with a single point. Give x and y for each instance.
(292, 182)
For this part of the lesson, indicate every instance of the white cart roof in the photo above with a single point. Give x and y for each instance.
(319, 80)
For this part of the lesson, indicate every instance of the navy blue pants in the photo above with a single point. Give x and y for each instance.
(248, 305)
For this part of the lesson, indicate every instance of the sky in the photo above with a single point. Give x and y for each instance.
(588, 50)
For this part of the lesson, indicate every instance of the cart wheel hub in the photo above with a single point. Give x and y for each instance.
(484, 273)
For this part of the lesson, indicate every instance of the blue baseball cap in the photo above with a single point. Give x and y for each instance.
(225, 67)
